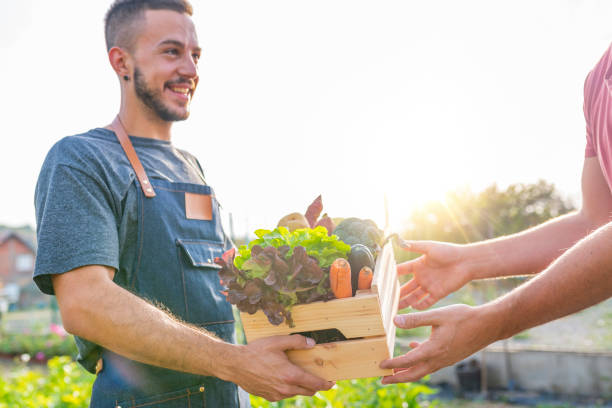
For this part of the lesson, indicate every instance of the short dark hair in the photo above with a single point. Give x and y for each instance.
(122, 18)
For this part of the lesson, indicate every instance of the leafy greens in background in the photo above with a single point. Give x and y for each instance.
(280, 269)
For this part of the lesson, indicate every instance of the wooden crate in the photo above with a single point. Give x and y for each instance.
(366, 320)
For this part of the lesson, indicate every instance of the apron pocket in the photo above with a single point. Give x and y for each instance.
(200, 252)
(204, 302)
(188, 397)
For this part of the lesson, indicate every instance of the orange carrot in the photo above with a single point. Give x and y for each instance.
(340, 278)
(365, 278)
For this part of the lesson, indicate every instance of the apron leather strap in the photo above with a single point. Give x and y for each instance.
(128, 148)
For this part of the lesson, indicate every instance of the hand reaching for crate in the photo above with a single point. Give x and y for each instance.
(457, 332)
(442, 269)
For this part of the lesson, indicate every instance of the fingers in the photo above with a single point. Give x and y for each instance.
(299, 377)
(408, 287)
(415, 356)
(421, 247)
(311, 382)
(291, 390)
(413, 298)
(405, 268)
(408, 375)
(408, 267)
(293, 342)
(297, 390)
(295, 381)
(412, 320)
(287, 391)
(413, 345)
(402, 304)
(425, 303)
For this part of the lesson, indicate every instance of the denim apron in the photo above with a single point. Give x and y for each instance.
(174, 270)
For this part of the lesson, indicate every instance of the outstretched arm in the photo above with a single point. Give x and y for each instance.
(444, 268)
(97, 309)
(580, 278)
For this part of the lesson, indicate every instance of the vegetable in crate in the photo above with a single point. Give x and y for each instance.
(340, 278)
(359, 257)
(312, 216)
(310, 219)
(280, 269)
(357, 231)
(365, 278)
(293, 221)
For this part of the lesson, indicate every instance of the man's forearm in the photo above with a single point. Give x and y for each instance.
(580, 278)
(126, 324)
(527, 252)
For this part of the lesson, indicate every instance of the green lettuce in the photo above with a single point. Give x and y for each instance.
(317, 243)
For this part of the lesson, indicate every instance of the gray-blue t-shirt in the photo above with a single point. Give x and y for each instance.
(86, 206)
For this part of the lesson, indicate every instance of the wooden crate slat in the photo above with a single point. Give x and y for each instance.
(358, 316)
(387, 280)
(344, 359)
(379, 274)
(389, 325)
(388, 290)
(385, 289)
(392, 296)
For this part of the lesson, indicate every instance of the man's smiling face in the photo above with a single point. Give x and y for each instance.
(166, 54)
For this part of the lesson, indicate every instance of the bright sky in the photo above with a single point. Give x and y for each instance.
(350, 99)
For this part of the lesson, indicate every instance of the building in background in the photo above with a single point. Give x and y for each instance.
(17, 256)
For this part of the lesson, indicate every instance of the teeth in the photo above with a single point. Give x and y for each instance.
(184, 91)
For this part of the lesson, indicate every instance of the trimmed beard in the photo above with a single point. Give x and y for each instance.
(152, 99)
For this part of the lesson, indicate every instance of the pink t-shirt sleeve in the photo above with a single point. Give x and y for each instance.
(589, 150)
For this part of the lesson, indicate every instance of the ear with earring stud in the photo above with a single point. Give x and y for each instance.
(126, 78)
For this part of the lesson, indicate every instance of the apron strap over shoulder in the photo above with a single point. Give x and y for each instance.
(128, 148)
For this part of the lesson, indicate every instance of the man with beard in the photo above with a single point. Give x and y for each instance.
(127, 233)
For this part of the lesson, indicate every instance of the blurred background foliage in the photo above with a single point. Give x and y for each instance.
(465, 217)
